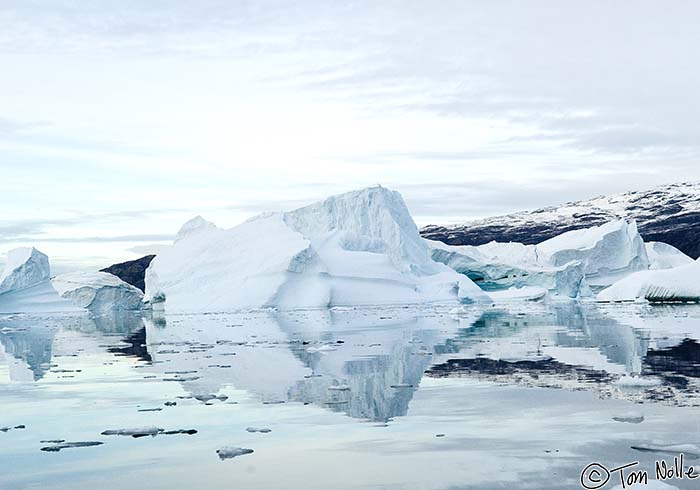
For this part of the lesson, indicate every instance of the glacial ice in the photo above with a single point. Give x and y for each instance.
(497, 266)
(228, 452)
(664, 256)
(677, 284)
(357, 248)
(25, 267)
(565, 265)
(97, 291)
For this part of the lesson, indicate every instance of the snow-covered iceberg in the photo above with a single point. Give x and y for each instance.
(664, 256)
(361, 247)
(497, 266)
(607, 252)
(565, 265)
(677, 284)
(97, 291)
(25, 267)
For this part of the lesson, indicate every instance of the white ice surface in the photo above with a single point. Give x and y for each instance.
(25, 267)
(677, 284)
(357, 248)
(97, 291)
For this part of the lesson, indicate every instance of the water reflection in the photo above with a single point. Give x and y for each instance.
(369, 363)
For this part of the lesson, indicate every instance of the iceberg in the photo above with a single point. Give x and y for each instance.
(664, 256)
(565, 265)
(497, 266)
(97, 291)
(677, 284)
(607, 252)
(357, 248)
(25, 267)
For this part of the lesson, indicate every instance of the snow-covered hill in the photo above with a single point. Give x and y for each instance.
(669, 214)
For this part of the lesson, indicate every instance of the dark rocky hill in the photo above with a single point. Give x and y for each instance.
(133, 271)
(669, 214)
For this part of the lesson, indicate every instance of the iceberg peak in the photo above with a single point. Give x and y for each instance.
(25, 267)
(194, 226)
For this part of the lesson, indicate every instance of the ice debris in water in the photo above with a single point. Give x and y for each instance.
(66, 445)
(689, 450)
(228, 452)
(255, 429)
(5, 429)
(629, 417)
(137, 432)
(147, 431)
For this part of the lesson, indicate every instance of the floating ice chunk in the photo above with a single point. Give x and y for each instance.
(24, 267)
(664, 256)
(136, 432)
(677, 284)
(228, 452)
(97, 291)
(66, 445)
(255, 429)
(636, 382)
(630, 417)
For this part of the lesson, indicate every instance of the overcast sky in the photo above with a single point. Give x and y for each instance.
(119, 120)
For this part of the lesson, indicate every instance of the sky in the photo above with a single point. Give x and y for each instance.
(120, 120)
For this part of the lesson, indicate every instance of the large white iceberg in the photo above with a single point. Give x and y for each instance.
(361, 247)
(97, 291)
(677, 284)
(25, 267)
(565, 265)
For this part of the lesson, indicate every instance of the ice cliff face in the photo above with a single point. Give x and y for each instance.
(361, 247)
(25, 267)
(565, 265)
(97, 291)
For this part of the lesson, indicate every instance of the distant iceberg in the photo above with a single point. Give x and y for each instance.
(565, 265)
(664, 256)
(97, 291)
(361, 247)
(25, 267)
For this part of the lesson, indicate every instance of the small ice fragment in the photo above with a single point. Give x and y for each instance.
(66, 445)
(629, 417)
(228, 452)
(255, 429)
(137, 432)
(689, 450)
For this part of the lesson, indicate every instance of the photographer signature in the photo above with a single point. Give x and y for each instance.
(596, 475)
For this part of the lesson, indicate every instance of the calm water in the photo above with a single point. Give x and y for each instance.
(520, 396)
